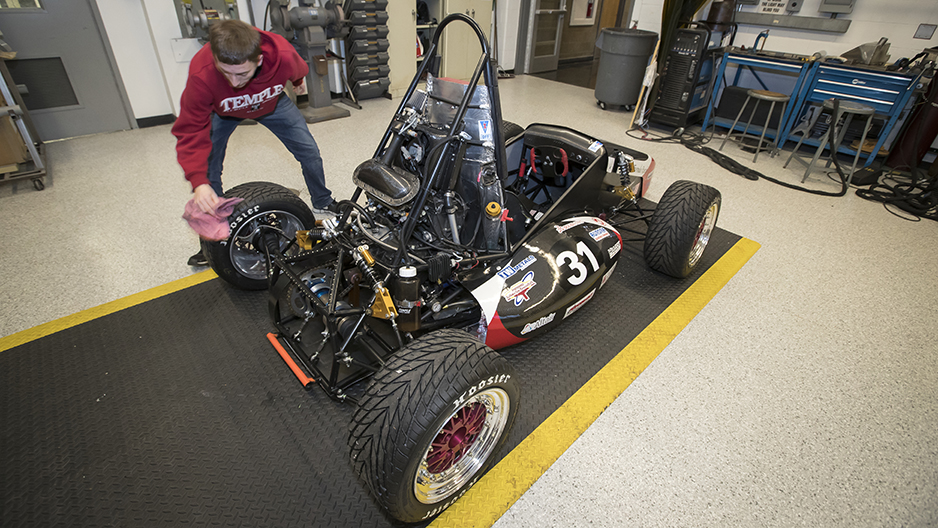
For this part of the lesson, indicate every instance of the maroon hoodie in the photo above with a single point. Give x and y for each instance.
(207, 91)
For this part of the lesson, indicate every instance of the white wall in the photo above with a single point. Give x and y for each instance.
(127, 30)
(151, 54)
(153, 57)
(896, 20)
(648, 15)
(509, 19)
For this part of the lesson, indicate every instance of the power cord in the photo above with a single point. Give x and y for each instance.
(697, 143)
(915, 195)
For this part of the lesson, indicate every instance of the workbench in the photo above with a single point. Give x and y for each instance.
(888, 93)
(755, 63)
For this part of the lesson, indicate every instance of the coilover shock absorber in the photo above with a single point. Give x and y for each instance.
(625, 165)
(383, 305)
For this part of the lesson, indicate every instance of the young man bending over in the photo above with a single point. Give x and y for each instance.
(241, 74)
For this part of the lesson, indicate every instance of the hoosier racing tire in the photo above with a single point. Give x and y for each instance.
(431, 421)
(235, 259)
(680, 228)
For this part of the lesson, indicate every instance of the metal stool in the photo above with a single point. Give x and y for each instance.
(848, 108)
(759, 95)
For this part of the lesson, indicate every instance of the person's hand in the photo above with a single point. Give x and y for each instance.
(205, 197)
(300, 89)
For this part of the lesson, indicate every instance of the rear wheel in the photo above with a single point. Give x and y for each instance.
(680, 228)
(431, 422)
(265, 204)
(511, 130)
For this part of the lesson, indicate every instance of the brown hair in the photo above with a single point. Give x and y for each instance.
(234, 42)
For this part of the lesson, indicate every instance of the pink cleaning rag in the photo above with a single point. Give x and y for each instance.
(212, 226)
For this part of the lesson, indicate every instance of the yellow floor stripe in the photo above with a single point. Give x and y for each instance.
(84, 316)
(491, 497)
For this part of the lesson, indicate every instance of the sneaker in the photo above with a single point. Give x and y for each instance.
(331, 209)
(198, 260)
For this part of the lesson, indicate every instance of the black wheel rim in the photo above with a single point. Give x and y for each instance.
(245, 258)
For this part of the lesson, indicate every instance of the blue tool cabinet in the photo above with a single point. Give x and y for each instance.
(888, 93)
(756, 64)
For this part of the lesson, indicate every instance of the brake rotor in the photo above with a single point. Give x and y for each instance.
(317, 280)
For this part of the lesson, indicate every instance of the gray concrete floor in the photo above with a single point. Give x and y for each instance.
(805, 393)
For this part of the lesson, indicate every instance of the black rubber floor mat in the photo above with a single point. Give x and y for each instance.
(178, 411)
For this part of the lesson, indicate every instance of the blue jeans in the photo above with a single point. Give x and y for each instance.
(288, 124)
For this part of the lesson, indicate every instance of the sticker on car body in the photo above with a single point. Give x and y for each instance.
(579, 304)
(509, 271)
(534, 325)
(518, 292)
(485, 130)
(599, 233)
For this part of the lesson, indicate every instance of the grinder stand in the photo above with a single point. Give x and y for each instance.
(309, 28)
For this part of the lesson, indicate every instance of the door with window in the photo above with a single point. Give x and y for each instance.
(64, 68)
(544, 47)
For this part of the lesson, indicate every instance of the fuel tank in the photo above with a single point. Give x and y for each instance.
(547, 280)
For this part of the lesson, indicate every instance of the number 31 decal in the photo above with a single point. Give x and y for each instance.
(570, 259)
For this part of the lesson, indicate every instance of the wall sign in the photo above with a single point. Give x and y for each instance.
(773, 7)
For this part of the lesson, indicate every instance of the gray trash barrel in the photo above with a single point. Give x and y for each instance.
(623, 57)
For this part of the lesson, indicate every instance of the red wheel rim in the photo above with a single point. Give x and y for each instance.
(456, 437)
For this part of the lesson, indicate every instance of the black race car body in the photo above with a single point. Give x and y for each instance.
(466, 234)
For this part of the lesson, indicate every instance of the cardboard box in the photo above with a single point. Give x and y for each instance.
(12, 148)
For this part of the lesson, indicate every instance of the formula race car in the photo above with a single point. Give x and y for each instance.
(466, 234)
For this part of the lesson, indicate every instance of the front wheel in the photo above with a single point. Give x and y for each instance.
(680, 228)
(431, 422)
(266, 206)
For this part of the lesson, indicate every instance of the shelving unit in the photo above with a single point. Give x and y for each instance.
(367, 49)
(456, 60)
(22, 153)
(424, 34)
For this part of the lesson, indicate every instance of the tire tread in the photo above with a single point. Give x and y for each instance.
(672, 228)
(405, 398)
